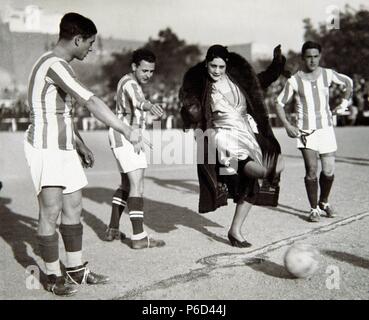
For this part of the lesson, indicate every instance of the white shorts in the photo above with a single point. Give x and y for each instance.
(321, 140)
(127, 159)
(54, 167)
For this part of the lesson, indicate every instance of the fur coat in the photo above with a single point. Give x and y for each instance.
(195, 102)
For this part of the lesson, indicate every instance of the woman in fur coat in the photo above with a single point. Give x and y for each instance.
(221, 98)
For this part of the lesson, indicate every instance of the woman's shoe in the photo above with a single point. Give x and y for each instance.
(236, 243)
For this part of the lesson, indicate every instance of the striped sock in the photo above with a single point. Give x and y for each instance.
(136, 214)
(118, 204)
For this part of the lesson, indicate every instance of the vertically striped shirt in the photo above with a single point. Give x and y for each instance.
(129, 107)
(312, 97)
(52, 87)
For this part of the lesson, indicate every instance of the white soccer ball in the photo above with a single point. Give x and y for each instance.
(301, 260)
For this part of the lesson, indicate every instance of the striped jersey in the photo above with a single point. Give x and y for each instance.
(52, 91)
(312, 97)
(130, 101)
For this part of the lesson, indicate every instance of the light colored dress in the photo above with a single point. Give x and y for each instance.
(234, 127)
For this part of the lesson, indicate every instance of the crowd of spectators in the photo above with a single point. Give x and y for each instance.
(14, 111)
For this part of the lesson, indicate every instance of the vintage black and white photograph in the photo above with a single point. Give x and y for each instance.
(184, 150)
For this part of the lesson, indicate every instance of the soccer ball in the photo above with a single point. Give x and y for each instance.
(301, 260)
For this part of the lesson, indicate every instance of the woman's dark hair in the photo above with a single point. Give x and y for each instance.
(310, 45)
(217, 51)
(73, 24)
(143, 54)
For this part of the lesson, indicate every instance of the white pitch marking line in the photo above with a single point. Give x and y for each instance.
(230, 259)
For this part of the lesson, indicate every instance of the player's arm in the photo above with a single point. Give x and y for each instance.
(346, 81)
(139, 101)
(61, 74)
(155, 109)
(102, 112)
(284, 97)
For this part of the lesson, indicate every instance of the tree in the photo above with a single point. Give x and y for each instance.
(344, 49)
(115, 69)
(173, 55)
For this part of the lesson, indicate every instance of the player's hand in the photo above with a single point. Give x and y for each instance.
(157, 110)
(292, 131)
(342, 108)
(86, 155)
(138, 147)
(136, 140)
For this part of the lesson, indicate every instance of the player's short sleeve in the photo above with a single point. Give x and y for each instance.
(342, 79)
(62, 75)
(135, 94)
(286, 94)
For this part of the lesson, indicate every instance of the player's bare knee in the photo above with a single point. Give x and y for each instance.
(50, 211)
(311, 173)
(72, 213)
(328, 172)
(48, 218)
(76, 209)
(328, 168)
(136, 193)
(136, 188)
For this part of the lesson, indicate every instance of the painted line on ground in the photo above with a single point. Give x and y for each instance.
(227, 260)
(231, 259)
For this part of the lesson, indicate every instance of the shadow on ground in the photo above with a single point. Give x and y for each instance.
(271, 269)
(187, 187)
(348, 257)
(302, 214)
(19, 232)
(160, 217)
(184, 186)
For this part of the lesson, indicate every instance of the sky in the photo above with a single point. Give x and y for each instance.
(202, 22)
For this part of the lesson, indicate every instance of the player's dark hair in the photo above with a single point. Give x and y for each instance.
(73, 24)
(310, 45)
(143, 54)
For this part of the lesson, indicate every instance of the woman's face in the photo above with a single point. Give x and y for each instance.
(216, 68)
